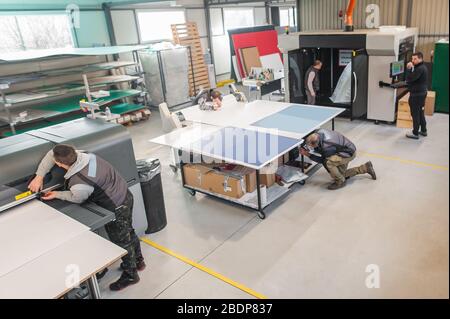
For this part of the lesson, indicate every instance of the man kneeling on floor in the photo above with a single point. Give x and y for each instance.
(90, 177)
(336, 152)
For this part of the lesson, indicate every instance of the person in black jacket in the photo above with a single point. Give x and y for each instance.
(336, 152)
(417, 81)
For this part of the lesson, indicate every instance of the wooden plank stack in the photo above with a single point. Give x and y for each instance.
(186, 34)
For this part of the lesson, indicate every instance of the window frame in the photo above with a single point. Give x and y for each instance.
(156, 10)
(71, 29)
(241, 8)
(291, 16)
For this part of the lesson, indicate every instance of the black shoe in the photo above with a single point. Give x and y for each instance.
(412, 135)
(124, 281)
(140, 264)
(336, 185)
(101, 274)
(370, 170)
(423, 133)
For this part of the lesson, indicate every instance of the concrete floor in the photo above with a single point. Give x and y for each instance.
(315, 243)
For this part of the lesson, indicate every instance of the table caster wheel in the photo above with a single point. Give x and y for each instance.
(192, 192)
(377, 122)
(261, 215)
(302, 182)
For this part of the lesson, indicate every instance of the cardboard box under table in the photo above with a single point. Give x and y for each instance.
(253, 151)
(209, 179)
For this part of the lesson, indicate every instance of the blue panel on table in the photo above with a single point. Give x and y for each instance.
(244, 146)
(298, 118)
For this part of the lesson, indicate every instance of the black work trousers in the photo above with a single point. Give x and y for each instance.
(417, 105)
(121, 233)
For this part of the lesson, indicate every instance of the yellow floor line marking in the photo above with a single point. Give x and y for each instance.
(204, 269)
(406, 161)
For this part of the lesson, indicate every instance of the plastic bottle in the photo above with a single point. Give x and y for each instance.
(108, 113)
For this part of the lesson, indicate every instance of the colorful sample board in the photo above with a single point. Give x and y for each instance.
(266, 43)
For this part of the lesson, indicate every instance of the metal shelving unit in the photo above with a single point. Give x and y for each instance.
(49, 88)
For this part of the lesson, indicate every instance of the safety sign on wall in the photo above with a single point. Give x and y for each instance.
(345, 57)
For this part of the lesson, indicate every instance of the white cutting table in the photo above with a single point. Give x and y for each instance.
(249, 134)
(37, 243)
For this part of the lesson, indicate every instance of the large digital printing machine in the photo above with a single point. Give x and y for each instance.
(20, 155)
(371, 53)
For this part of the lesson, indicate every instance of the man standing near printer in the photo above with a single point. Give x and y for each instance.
(312, 82)
(417, 82)
(89, 177)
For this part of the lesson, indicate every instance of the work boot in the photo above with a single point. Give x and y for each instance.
(124, 281)
(101, 274)
(370, 170)
(423, 133)
(140, 264)
(412, 135)
(336, 185)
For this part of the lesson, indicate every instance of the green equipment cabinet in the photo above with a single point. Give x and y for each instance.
(440, 76)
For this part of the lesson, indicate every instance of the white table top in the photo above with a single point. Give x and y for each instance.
(182, 137)
(61, 269)
(31, 230)
(242, 115)
(37, 243)
(233, 113)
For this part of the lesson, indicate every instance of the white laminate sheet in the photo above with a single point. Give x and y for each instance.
(183, 137)
(30, 230)
(235, 114)
(61, 269)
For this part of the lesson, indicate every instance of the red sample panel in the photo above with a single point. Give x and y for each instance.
(265, 41)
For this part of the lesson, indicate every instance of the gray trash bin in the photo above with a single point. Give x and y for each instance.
(149, 172)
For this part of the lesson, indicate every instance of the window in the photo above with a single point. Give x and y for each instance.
(28, 32)
(155, 25)
(238, 17)
(287, 17)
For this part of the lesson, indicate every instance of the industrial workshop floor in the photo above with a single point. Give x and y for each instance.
(315, 243)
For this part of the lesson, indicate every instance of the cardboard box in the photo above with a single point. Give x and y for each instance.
(250, 181)
(429, 103)
(194, 174)
(403, 105)
(270, 168)
(223, 184)
(404, 124)
(206, 178)
(406, 116)
(267, 173)
(249, 175)
(267, 179)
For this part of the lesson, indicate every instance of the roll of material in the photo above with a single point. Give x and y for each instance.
(263, 192)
